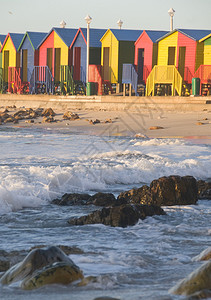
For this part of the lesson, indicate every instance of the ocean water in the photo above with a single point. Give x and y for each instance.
(139, 262)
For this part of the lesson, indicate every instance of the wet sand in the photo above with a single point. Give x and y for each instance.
(153, 124)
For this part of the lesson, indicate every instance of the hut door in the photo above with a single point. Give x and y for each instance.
(77, 63)
(57, 64)
(181, 64)
(140, 64)
(106, 67)
(6, 65)
(50, 58)
(24, 64)
(171, 56)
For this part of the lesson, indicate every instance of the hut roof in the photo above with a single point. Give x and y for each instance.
(16, 39)
(194, 34)
(95, 36)
(34, 37)
(126, 34)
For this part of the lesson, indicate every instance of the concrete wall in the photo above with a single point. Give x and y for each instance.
(110, 103)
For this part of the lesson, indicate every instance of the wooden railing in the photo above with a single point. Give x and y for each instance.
(41, 80)
(67, 82)
(204, 73)
(130, 76)
(1, 80)
(14, 80)
(95, 75)
(164, 75)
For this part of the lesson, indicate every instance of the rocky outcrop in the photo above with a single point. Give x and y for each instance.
(41, 267)
(204, 189)
(204, 294)
(204, 255)
(172, 190)
(48, 112)
(197, 281)
(72, 199)
(70, 116)
(98, 199)
(118, 216)
(102, 199)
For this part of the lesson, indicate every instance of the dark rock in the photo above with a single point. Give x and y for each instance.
(4, 264)
(41, 267)
(106, 298)
(72, 199)
(204, 294)
(172, 190)
(141, 195)
(118, 216)
(102, 199)
(197, 281)
(70, 116)
(48, 112)
(204, 189)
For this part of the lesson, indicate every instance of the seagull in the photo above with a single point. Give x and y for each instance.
(10, 12)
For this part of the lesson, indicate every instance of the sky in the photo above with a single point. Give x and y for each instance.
(41, 15)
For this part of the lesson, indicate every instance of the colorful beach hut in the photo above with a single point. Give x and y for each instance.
(10, 55)
(182, 49)
(29, 54)
(54, 50)
(117, 49)
(79, 50)
(2, 38)
(204, 71)
(146, 53)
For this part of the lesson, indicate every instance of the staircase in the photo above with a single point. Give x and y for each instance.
(164, 75)
(204, 73)
(41, 81)
(130, 76)
(95, 75)
(67, 84)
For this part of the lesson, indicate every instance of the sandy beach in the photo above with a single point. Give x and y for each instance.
(146, 123)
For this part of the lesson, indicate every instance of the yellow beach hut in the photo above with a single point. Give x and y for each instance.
(117, 49)
(10, 56)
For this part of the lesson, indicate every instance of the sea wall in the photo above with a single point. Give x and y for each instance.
(110, 103)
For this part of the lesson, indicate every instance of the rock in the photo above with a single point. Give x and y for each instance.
(72, 199)
(199, 123)
(204, 189)
(66, 249)
(102, 199)
(57, 273)
(172, 190)
(9, 120)
(4, 116)
(118, 216)
(4, 265)
(204, 255)
(141, 195)
(197, 281)
(108, 121)
(94, 122)
(204, 294)
(49, 119)
(43, 266)
(48, 112)
(155, 127)
(70, 116)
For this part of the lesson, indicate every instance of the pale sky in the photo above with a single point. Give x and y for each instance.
(41, 15)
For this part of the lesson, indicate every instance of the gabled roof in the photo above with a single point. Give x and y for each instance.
(66, 34)
(34, 37)
(205, 38)
(125, 34)
(154, 35)
(2, 38)
(194, 34)
(16, 39)
(94, 36)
